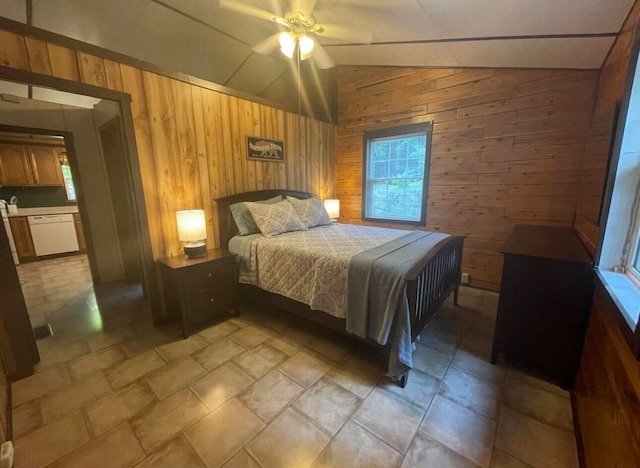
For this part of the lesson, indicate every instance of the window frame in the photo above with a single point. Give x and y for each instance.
(389, 132)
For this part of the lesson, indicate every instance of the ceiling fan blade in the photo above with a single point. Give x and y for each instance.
(251, 10)
(267, 46)
(321, 57)
(303, 6)
(346, 34)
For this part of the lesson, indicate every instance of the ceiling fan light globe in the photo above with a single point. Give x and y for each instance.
(306, 45)
(287, 44)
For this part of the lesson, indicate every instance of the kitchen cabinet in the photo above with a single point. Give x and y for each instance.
(199, 291)
(22, 238)
(22, 165)
(82, 244)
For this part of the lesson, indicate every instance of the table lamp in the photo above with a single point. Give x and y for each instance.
(333, 208)
(192, 229)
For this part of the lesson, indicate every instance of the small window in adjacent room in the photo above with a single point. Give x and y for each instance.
(68, 182)
(396, 174)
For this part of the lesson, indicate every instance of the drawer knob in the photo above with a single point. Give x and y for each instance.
(211, 300)
(209, 275)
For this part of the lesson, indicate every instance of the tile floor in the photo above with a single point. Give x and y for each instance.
(267, 390)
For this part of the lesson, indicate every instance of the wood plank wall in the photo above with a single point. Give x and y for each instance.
(507, 147)
(607, 393)
(191, 140)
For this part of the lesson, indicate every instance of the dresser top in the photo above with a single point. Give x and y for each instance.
(560, 243)
(182, 261)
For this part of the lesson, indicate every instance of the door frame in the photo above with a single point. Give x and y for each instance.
(123, 100)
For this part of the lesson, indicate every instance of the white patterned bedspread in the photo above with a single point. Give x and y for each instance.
(311, 266)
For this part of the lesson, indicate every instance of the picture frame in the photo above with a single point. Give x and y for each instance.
(265, 149)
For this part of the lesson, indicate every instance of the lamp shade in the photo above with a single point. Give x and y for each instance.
(191, 225)
(333, 208)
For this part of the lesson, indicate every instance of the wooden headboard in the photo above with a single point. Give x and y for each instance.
(227, 226)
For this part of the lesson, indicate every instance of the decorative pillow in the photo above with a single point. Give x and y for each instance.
(311, 211)
(275, 218)
(244, 220)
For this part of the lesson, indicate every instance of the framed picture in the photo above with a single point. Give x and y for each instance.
(263, 149)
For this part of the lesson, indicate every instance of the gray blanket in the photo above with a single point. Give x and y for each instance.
(377, 306)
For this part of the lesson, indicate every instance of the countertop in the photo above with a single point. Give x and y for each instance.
(44, 210)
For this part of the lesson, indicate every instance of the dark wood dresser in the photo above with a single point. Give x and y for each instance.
(199, 291)
(545, 298)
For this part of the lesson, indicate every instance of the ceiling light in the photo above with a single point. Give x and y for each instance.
(287, 44)
(306, 45)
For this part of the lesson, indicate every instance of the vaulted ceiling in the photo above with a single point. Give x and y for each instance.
(199, 38)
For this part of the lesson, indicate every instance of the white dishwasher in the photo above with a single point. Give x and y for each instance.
(53, 234)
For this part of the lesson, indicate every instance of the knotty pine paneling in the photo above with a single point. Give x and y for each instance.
(507, 147)
(191, 141)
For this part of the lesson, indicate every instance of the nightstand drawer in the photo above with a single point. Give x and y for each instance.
(205, 276)
(206, 305)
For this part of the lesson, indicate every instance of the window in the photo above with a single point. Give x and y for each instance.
(618, 252)
(396, 174)
(68, 182)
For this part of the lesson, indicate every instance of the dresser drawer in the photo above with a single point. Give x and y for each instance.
(204, 277)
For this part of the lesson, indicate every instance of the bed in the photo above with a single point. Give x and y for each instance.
(421, 269)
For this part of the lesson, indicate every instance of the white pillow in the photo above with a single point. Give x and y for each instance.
(311, 211)
(275, 218)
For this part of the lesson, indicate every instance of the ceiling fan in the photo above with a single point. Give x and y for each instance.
(301, 36)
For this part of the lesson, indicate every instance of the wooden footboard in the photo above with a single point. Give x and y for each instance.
(431, 281)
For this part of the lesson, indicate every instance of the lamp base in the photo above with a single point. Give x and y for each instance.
(195, 249)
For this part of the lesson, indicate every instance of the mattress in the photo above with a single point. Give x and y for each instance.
(308, 266)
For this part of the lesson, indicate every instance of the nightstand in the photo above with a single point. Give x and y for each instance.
(199, 291)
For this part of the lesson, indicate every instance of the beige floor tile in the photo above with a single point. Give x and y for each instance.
(93, 362)
(355, 446)
(176, 454)
(546, 407)
(168, 418)
(330, 346)
(431, 361)
(260, 360)
(58, 355)
(460, 429)
(392, 419)
(270, 395)
(118, 407)
(118, 448)
(241, 460)
(306, 367)
(420, 389)
(287, 347)
(504, 460)
(216, 354)
(290, 440)
(426, 452)
(471, 392)
(225, 431)
(328, 404)
(47, 444)
(132, 369)
(26, 417)
(472, 363)
(446, 341)
(74, 396)
(173, 351)
(536, 382)
(110, 336)
(523, 437)
(145, 342)
(174, 376)
(251, 336)
(476, 341)
(221, 385)
(296, 336)
(356, 374)
(219, 331)
(39, 384)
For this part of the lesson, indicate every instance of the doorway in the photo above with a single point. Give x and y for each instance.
(116, 279)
